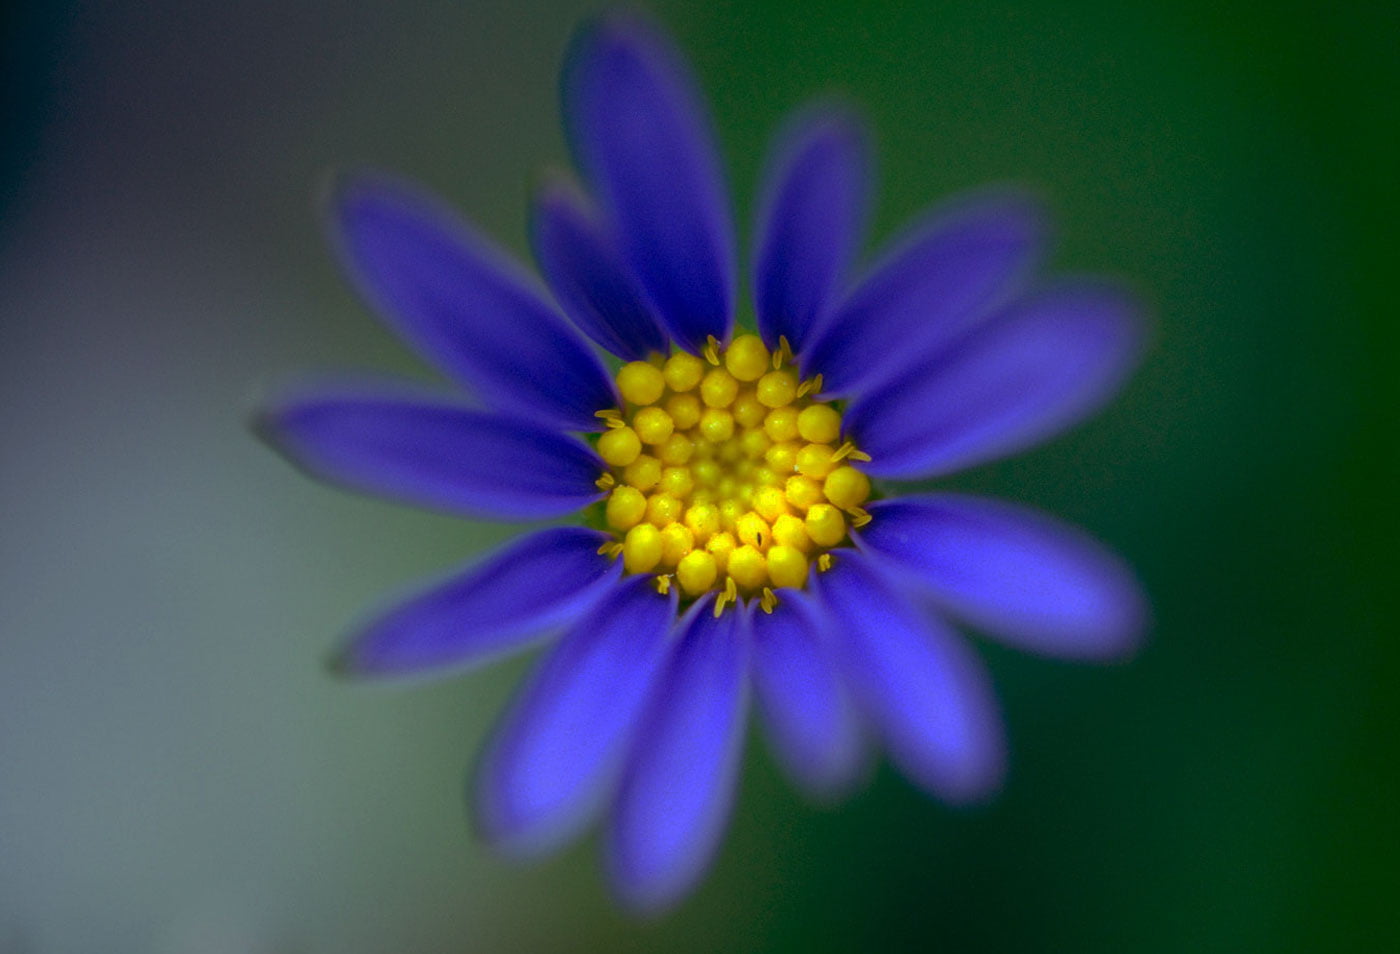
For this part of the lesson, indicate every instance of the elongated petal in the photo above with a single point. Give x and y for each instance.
(494, 607)
(813, 726)
(585, 270)
(640, 136)
(434, 455)
(679, 787)
(937, 282)
(557, 754)
(1043, 365)
(918, 681)
(815, 197)
(466, 307)
(1030, 580)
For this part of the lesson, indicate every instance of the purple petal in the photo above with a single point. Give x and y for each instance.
(466, 307)
(434, 455)
(813, 726)
(944, 277)
(585, 270)
(558, 752)
(641, 138)
(918, 681)
(1016, 573)
(679, 786)
(815, 196)
(1044, 364)
(493, 607)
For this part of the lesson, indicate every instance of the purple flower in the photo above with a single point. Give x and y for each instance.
(732, 539)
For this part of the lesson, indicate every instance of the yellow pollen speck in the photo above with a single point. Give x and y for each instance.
(725, 474)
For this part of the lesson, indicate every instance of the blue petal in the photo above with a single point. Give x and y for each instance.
(815, 196)
(435, 455)
(585, 270)
(679, 787)
(814, 729)
(1044, 364)
(466, 307)
(492, 608)
(1018, 574)
(558, 752)
(918, 681)
(640, 136)
(940, 280)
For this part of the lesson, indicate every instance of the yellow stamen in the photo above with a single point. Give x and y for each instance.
(712, 350)
(769, 602)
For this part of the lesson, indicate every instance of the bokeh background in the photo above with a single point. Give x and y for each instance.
(179, 774)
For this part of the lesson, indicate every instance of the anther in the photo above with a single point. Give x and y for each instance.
(605, 482)
(769, 602)
(712, 350)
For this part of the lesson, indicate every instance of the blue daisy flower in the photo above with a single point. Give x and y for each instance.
(741, 531)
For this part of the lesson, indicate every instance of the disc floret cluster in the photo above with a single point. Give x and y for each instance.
(727, 473)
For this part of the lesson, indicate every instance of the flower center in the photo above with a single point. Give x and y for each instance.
(726, 474)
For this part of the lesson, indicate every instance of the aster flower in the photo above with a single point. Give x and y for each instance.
(737, 525)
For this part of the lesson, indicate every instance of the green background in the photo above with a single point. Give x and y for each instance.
(177, 773)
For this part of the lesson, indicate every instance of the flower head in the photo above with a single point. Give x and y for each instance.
(737, 525)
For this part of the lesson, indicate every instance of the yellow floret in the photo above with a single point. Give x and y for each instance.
(626, 507)
(676, 450)
(747, 411)
(719, 388)
(677, 481)
(755, 443)
(825, 525)
(716, 424)
(619, 446)
(781, 423)
(640, 382)
(653, 425)
(770, 503)
(787, 566)
(803, 491)
(815, 461)
(747, 358)
(819, 424)
(676, 542)
(747, 568)
(790, 531)
(641, 549)
(697, 572)
(847, 487)
(663, 509)
(777, 388)
(781, 457)
(682, 371)
(703, 521)
(753, 530)
(643, 473)
(720, 546)
(684, 410)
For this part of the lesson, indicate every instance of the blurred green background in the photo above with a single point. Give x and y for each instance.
(177, 772)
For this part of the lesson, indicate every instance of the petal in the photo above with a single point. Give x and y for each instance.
(810, 720)
(493, 607)
(815, 196)
(942, 278)
(679, 787)
(585, 270)
(918, 681)
(558, 752)
(1016, 573)
(641, 138)
(434, 455)
(1044, 364)
(465, 306)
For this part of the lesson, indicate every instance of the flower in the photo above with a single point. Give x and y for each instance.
(732, 539)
